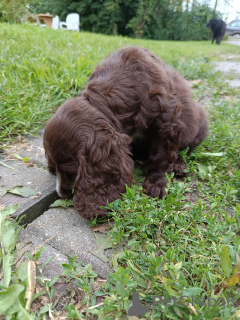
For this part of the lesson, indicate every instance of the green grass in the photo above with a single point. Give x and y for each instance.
(41, 68)
(186, 244)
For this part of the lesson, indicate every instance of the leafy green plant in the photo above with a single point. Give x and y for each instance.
(85, 278)
(13, 303)
(62, 203)
(73, 313)
(72, 269)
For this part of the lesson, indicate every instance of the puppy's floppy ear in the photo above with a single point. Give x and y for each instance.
(105, 168)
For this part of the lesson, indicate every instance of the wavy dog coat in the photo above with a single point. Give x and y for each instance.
(133, 102)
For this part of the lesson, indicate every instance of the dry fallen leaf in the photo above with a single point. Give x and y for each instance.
(31, 284)
(204, 283)
(237, 314)
(101, 228)
(238, 261)
(30, 164)
(36, 197)
(193, 309)
(60, 315)
(44, 300)
(188, 196)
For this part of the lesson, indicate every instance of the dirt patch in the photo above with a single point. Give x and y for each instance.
(66, 293)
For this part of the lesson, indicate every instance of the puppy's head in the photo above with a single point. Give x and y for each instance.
(61, 143)
(88, 156)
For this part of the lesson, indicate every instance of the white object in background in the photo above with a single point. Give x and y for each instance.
(72, 22)
(55, 22)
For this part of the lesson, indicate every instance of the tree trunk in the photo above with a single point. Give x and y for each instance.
(141, 22)
(143, 19)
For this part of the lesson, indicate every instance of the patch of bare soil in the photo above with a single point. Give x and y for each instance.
(65, 293)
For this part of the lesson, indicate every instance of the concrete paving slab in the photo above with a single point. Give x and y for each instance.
(35, 151)
(70, 235)
(54, 267)
(31, 147)
(236, 42)
(231, 68)
(227, 66)
(234, 83)
(22, 175)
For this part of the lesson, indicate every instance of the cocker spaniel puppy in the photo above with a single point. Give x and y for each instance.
(134, 106)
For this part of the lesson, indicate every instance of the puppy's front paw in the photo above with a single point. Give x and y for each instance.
(178, 169)
(155, 188)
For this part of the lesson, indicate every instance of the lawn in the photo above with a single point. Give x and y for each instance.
(186, 244)
(41, 68)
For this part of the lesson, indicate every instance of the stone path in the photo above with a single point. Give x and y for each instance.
(230, 67)
(235, 41)
(62, 230)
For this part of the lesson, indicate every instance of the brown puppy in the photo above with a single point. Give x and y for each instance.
(132, 96)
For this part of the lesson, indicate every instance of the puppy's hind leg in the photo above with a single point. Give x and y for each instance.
(163, 155)
(159, 163)
(164, 137)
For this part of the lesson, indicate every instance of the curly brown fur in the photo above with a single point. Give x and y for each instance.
(133, 100)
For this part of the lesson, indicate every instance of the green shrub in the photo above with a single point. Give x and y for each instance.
(14, 11)
(171, 23)
(159, 20)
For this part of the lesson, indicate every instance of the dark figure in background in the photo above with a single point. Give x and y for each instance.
(218, 28)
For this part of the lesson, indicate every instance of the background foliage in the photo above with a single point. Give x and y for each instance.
(150, 19)
(171, 22)
(13, 11)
